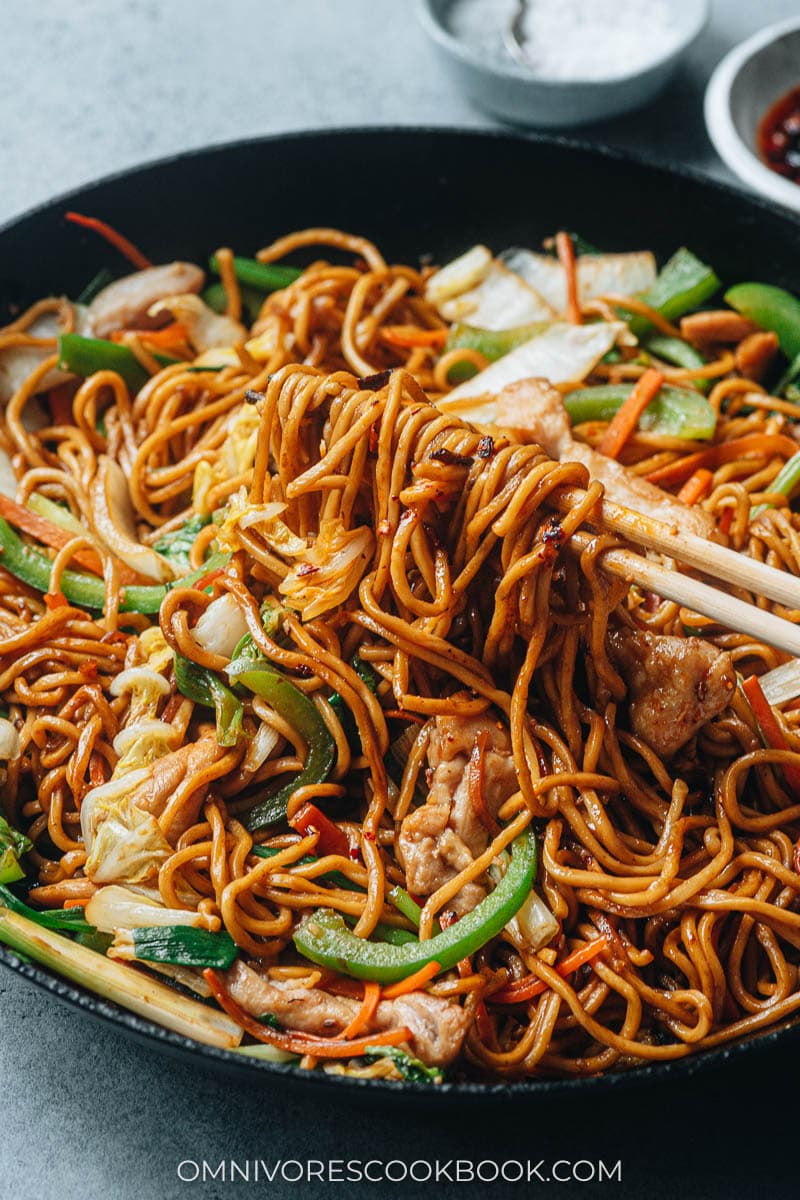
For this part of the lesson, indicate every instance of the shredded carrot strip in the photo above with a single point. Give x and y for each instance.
(208, 579)
(522, 990)
(726, 520)
(53, 535)
(299, 1043)
(172, 336)
(764, 444)
(413, 982)
(483, 1022)
(76, 903)
(402, 714)
(408, 336)
(565, 249)
(768, 724)
(372, 996)
(117, 240)
(626, 418)
(696, 487)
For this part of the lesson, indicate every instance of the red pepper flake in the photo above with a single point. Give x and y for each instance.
(306, 569)
(552, 536)
(55, 600)
(450, 458)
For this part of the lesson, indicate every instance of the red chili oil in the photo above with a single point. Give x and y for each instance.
(779, 136)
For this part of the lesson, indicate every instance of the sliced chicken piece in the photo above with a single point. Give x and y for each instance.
(532, 409)
(443, 836)
(17, 363)
(125, 303)
(438, 1027)
(431, 854)
(675, 685)
(167, 774)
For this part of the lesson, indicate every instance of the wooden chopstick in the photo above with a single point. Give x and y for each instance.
(708, 557)
(728, 610)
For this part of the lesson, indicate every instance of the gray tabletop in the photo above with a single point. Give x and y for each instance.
(91, 86)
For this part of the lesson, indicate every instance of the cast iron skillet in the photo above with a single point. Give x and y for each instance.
(415, 192)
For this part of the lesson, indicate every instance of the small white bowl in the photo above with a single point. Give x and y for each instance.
(508, 90)
(743, 87)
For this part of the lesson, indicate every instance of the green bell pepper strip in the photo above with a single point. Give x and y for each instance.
(789, 377)
(181, 945)
(771, 308)
(399, 897)
(271, 618)
(491, 343)
(371, 679)
(296, 708)
(87, 591)
(12, 847)
(68, 920)
(205, 687)
(335, 877)
(388, 933)
(683, 284)
(264, 277)
(678, 352)
(393, 935)
(784, 483)
(677, 412)
(83, 356)
(216, 297)
(324, 938)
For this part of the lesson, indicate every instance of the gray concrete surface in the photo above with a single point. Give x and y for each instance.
(90, 86)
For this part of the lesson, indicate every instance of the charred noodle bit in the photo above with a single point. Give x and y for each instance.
(374, 667)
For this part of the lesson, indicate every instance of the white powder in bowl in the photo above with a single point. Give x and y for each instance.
(570, 40)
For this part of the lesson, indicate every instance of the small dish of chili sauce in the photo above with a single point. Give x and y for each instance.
(779, 136)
